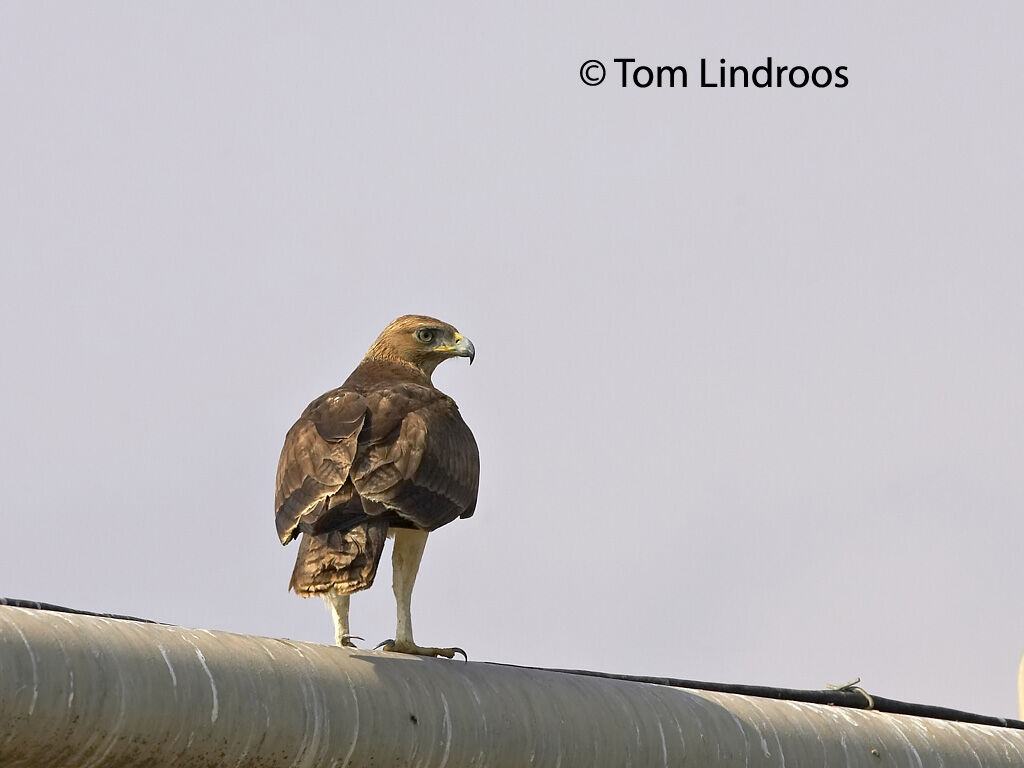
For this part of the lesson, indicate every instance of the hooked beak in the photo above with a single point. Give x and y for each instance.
(463, 348)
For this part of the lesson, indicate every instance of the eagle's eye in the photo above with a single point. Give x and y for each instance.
(425, 335)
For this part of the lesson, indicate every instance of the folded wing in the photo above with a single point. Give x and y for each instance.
(316, 459)
(427, 473)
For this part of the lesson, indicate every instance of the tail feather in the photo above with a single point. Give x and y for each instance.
(340, 562)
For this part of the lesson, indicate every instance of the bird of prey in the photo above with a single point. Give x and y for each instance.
(385, 454)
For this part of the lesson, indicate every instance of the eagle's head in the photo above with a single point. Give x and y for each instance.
(421, 341)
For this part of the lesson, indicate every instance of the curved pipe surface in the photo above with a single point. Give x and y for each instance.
(81, 691)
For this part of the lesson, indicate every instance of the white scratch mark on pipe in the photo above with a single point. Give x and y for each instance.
(35, 668)
(167, 661)
(744, 739)
(71, 671)
(355, 725)
(971, 728)
(664, 746)
(842, 742)
(114, 731)
(213, 685)
(897, 725)
(481, 738)
(767, 721)
(447, 731)
(1003, 737)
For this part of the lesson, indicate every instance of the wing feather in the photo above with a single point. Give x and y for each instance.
(429, 474)
(316, 459)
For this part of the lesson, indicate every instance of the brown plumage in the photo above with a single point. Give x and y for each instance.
(386, 450)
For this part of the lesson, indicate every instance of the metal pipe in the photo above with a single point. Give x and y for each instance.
(80, 691)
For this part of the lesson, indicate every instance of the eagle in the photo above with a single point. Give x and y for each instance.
(384, 455)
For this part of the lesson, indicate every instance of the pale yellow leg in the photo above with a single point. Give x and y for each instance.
(405, 560)
(338, 605)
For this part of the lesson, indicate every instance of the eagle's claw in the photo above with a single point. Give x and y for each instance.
(395, 646)
(345, 641)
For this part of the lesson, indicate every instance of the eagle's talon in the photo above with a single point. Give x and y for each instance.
(397, 646)
(346, 641)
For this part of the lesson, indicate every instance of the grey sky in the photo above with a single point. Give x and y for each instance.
(749, 380)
